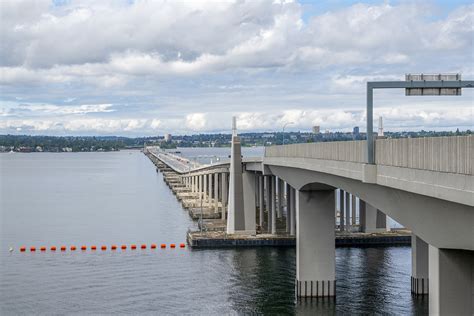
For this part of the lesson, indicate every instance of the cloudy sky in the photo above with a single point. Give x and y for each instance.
(150, 67)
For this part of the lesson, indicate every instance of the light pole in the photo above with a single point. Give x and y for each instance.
(283, 132)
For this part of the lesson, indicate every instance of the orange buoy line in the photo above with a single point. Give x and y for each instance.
(103, 247)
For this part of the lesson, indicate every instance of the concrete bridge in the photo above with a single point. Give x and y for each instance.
(425, 184)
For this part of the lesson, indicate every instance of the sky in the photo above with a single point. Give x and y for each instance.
(145, 68)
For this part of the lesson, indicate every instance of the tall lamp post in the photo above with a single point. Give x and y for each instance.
(283, 132)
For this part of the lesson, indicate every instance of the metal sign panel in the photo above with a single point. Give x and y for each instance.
(432, 91)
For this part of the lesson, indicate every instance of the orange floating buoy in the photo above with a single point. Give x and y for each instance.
(83, 248)
(143, 246)
(163, 245)
(172, 246)
(73, 248)
(182, 245)
(123, 247)
(133, 246)
(32, 248)
(22, 248)
(114, 247)
(53, 248)
(63, 248)
(103, 247)
(153, 246)
(43, 248)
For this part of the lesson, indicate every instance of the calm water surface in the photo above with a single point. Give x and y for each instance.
(114, 198)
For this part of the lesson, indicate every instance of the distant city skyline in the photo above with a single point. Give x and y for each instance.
(160, 69)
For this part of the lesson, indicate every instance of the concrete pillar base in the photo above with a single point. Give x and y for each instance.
(315, 288)
(419, 286)
(315, 244)
(451, 281)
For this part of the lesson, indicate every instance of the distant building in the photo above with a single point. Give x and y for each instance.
(355, 131)
(327, 131)
(380, 133)
(316, 129)
(167, 137)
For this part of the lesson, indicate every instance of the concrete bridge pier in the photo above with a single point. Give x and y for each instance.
(224, 191)
(419, 266)
(280, 197)
(371, 219)
(353, 210)
(260, 199)
(200, 184)
(273, 217)
(451, 286)
(315, 246)
(347, 209)
(216, 192)
(342, 226)
(204, 193)
(268, 204)
(241, 214)
(288, 207)
(293, 212)
(209, 188)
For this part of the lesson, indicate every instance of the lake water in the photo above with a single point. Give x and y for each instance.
(118, 198)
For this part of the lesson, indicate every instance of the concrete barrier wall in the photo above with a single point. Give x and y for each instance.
(446, 154)
(353, 151)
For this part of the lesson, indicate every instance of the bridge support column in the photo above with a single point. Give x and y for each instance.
(248, 182)
(280, 197)
(209, 188)
(293, 212)
(347, 209)
(342, 226)
(216, 192)
(353, 210)
(419, 266)
(204, 186)
(225, 187)
(274, 182)
(260, 200)
(451, 275)
(288, 207)
(268, 204)
(315, 244)
(200, 182)
(236, 220)
(371, 219)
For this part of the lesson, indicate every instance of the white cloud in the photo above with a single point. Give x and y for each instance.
(181, 66)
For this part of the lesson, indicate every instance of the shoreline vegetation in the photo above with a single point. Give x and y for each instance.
(29, 143)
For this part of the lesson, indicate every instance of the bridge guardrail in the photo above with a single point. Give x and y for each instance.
(451, 154)
(445, 154)
(353, 151)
